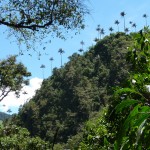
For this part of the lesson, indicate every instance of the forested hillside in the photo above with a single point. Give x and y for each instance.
(99, 99)
(4, 116)
(77, 91)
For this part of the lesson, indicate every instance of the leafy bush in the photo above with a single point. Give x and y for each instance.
(13, 137)
(127, 123)
(95, 132)
(130, 118)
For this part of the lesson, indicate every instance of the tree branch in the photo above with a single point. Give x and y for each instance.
(4, 94)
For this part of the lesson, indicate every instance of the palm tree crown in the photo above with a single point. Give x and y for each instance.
(81, 50)
(111, 29)
(134, 26)
(61, 51)
(42, 66)
(117, 23)
(145, 16)
(51, 59)
(98, 30)
(126, 30)
(102, 32)
(123, 15)
(82, 43)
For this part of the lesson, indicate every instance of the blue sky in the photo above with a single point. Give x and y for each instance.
(103, 12)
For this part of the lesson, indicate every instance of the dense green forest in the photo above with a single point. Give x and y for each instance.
(76, 92)
(98, 100)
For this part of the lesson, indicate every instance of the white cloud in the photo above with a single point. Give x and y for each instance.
(27, 92)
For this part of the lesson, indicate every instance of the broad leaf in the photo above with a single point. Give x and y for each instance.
(125, 103)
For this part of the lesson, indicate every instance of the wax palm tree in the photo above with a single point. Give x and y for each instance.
(82, 43)
(80, 50)
(123, 16)
(39, 55)
(134, 26)
(111, 29)
(130, 22)
(98, 30)
(61, 51)
(42, 67)
(126, 30)
(102, 32)
(145, 16)
(51, 59)
(96, 40)
(117, 23)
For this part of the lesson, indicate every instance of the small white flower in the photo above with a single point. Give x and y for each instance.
(122, 97)
(97, 137)
(133, 81)
(146, 40)
(148, 88)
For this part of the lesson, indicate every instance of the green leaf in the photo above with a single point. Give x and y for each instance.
(143, 114)
(127, 91)
(116, 146)
(127, 122)
(106, 143)
(140, 131)
(125, 104)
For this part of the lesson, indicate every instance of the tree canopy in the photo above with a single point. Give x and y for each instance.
(77, 91)
(12, 76)
(13, 137)
(29, 19)
(126, 123)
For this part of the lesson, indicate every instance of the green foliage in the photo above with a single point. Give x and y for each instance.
(12, 76)
(75, 92)
(13, 137)
(95, 133)
(36, 19)
(127, 122)
(130, 118)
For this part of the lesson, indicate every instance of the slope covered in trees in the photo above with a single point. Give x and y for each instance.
(76, 92)
(4, 116)
(125, 124)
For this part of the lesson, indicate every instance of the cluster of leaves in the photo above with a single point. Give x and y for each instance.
(95, 132)
(37, 18)
(13, 137)
(127, 124)
(130, 119)
(75, 92)
(12, 76)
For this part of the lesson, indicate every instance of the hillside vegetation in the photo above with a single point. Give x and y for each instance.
(4, 116)
(76, 92)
